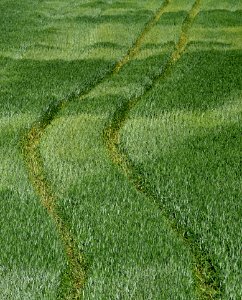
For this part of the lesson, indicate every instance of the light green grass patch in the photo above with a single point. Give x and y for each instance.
(173, 127)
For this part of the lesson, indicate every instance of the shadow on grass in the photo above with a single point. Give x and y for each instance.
(31, 84)
(219, 18)
(201, 80)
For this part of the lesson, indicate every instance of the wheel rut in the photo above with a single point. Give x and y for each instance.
(206, 275)
(135, 49)
(73, 279)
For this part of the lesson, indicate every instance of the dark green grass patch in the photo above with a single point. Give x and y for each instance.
(220, 18)
(203, 79)
(30, 85)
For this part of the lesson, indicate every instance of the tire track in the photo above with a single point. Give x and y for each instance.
(134, 50)
(206, 275)
(74, 277)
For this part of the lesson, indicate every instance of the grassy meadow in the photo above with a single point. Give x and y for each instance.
(120, 145)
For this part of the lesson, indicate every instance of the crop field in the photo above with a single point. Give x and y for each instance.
(120, 150)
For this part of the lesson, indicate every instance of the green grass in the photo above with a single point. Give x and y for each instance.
(38, 68)
(182, 139)
(31, 253)
(103, 211)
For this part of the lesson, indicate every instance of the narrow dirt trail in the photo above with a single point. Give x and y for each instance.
(205, 274)
(74, 277)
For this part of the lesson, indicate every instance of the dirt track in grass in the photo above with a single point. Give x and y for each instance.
(74, 277)
(205, 274)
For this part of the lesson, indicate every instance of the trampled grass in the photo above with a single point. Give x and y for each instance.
(181, 139)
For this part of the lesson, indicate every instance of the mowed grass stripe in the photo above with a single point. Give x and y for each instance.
(206, 277)
(74, 278)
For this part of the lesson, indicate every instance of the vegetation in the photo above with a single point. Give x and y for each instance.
(120, 149)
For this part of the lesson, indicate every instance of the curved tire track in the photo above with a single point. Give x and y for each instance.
(205, 273)
(74, 277)
(135, 49)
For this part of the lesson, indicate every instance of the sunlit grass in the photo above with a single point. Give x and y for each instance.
(46, 53)
(183, 138)
(31, 253)
(126, 255)
(103, 210)
(176, 126)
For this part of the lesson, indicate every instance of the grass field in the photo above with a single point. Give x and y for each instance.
(120, 149)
